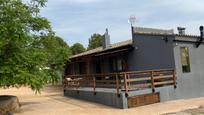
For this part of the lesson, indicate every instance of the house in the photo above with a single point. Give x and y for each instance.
(156, 65)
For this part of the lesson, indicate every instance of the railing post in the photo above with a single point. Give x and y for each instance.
(117, 84)
(152, 80)
(65, 82)
(94, 84)
(174, 78)
(78, 83)
(125, 83)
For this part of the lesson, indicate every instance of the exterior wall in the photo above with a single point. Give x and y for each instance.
(166, 93)
(106, 98)
(105, 65)
(190, 84)
(151, 52)
(159, 56)
(92, 68)
(76, 68)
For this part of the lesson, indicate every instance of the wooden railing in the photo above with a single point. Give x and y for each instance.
(123, 81)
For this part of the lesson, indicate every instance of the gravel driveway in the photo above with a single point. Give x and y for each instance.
(52, 102)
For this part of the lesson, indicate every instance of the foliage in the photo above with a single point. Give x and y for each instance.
(77, 48)
(24, 45)
(95, 41)
(57, 52)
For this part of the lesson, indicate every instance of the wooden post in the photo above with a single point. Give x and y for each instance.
(73, 68)
(88, 64)
(117, 84)
(65, 82)
(152, 79)
(94, 84)
(78, 83)
(174, 78)
(125, 83)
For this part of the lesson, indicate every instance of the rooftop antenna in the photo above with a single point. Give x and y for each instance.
(132, 20)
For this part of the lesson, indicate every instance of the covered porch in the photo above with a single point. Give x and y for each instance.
(99, 60)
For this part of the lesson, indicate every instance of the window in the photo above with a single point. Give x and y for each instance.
(117, 64)
(68, 69)
(184, 52)
(82, 67)
(98, 66)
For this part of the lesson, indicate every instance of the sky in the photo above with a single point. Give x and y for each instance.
(76, 20)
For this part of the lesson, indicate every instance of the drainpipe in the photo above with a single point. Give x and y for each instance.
(201, 36)
(132, 30)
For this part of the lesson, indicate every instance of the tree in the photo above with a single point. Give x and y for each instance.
(77, 48)
(24, 57)
(57, 52)
(95, 41)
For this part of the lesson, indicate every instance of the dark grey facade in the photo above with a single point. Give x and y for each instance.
(151, 52)
(157, 51)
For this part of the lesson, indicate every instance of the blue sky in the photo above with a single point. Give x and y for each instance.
(76, 20)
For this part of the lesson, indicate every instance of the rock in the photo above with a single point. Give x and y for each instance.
(8, 104)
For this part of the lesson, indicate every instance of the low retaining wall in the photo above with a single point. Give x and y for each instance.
(166, 93)
(115, 100)
(106, 98)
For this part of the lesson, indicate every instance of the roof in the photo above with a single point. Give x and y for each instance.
(100, 49)
(190, 38)
(187, 36)
(162, 32)
(142, 31)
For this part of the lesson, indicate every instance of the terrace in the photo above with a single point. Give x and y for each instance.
(122, 81)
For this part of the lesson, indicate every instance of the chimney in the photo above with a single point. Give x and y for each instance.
(106, 40)
(181, 30)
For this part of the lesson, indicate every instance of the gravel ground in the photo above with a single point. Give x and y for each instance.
(52, 102)
(196, 111)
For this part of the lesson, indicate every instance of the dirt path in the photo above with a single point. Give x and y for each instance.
(197, 111)
(52, 102)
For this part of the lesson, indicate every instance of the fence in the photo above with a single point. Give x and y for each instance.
(123, 81)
